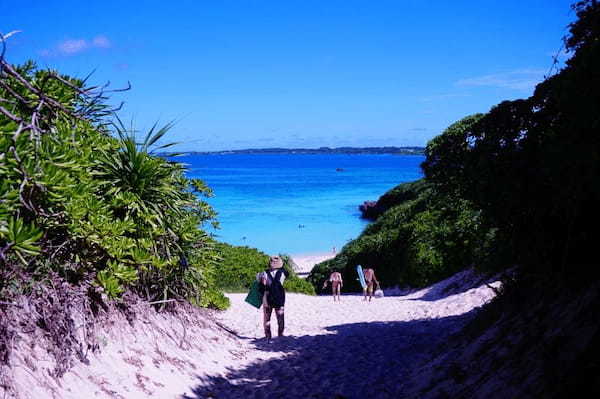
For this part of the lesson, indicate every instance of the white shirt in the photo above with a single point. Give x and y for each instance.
(273, 272)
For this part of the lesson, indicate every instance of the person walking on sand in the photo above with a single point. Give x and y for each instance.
(335, 278)
(271, 285)
(369, 279)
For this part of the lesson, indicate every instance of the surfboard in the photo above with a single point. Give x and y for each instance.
(361, 276)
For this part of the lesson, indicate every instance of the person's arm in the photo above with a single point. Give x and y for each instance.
(374, 278)
(262, 283)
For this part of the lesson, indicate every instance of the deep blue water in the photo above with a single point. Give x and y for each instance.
(296, 203)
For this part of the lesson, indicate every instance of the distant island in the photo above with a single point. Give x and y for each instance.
(320, 150)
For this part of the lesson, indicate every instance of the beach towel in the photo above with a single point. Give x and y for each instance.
(254, 297)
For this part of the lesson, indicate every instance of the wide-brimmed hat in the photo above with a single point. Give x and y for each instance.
(275, 261)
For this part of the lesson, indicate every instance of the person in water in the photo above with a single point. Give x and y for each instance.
(335, 278)
(271, 285)
(370, 279)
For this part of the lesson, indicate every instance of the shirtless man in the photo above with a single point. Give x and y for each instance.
(369, 279)
(336, 284)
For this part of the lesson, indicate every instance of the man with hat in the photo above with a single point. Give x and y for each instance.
(271, 283)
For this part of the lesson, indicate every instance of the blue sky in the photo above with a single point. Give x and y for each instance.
(252, 74)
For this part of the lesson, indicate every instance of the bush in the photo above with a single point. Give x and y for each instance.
(298, 285)
(421, 239)
(80, 192)
(238, 266)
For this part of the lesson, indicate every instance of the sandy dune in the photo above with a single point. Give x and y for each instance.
(351, 349)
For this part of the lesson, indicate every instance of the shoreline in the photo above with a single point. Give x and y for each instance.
(306, 261)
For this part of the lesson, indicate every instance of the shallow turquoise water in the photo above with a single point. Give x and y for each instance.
(296, 203)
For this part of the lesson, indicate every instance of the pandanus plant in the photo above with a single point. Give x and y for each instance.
(153, 193)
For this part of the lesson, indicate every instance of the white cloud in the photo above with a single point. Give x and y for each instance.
(521, 79)
(101, 41)
(72, 46)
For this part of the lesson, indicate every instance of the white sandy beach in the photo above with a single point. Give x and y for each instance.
(305, 262)
(351, 349)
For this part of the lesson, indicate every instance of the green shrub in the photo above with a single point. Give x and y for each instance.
(81, 192)
(238, 266)
(421, 239)
(298, 285)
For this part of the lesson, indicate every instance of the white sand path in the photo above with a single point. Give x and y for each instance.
(351, 349)
(306, 262)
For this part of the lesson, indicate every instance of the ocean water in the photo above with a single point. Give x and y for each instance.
(296, 203)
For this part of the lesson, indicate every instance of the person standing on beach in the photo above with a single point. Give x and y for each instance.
(271, 283)
(335, 278)
(369, 279)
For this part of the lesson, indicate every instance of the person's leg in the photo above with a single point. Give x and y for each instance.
(339, 289)
(333, 290)
(370, 290)
(280, 320)
(267, 320)
(334, 285)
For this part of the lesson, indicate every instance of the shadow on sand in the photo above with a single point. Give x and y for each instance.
(360, 360)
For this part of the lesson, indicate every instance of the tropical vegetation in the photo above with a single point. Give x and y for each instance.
(83, 200)
(514, 187)
(239, 265)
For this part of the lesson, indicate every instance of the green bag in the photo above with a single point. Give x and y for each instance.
(254, 298)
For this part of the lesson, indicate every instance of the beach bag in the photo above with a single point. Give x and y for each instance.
(378, 293)
(275, 291)
(254, 296)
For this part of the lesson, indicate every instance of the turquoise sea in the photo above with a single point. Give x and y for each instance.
(296, 203)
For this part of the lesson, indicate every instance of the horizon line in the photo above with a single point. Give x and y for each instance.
(377, 149)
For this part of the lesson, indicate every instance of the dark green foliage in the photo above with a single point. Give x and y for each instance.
(425, 236)
(532, 166)
(298, 285)
(402, 193)
(240, 265)
(88, 203)
(515, 186)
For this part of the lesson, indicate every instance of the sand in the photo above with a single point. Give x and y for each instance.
(347, 349)
(305, 262)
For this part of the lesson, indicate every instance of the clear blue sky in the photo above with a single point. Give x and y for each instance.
(248, 74)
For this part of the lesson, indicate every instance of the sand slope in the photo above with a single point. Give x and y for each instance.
(351, 349)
